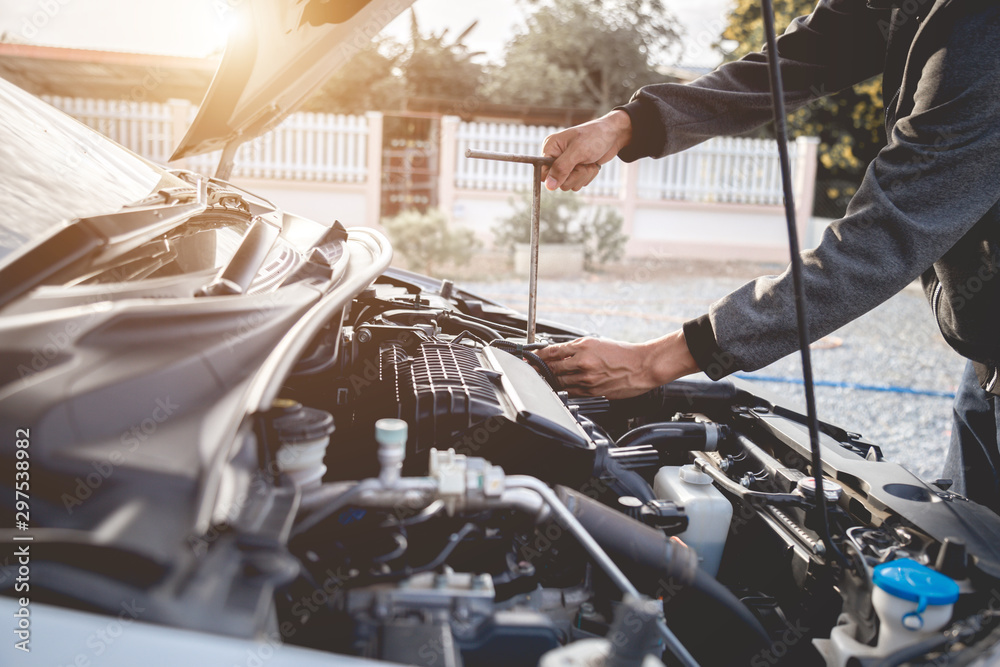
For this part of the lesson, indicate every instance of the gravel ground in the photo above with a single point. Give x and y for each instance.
(896, 345)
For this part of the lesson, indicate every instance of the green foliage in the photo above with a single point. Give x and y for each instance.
(849, 124)
(427, 240)
(367, 82)
(383, 74)
(584, 53)
(563, 219)
(433, 66)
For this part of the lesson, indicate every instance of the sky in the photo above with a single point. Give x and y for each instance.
(198, 27)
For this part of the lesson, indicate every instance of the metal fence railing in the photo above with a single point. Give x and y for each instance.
(335, 149)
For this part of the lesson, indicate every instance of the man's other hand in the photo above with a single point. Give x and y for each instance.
(580, 151)
(599, 367)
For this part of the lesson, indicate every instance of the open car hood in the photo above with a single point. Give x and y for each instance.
(279, 52)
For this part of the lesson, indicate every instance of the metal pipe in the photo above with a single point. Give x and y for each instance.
(544, 160)
(536, 203)
(572, 524)
(536, 232)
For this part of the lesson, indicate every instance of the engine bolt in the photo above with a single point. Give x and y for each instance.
(364, 335)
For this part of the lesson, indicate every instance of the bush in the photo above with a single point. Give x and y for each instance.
(564, 219)
(426, 239)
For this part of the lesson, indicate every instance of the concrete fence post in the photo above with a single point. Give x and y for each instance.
(804, 185)
(373, 178)
(448, 158)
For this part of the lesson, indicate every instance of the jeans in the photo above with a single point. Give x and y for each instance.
(973, 461)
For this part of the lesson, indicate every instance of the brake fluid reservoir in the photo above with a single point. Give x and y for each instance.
(304, 434)
(709, 512)
(912, 601)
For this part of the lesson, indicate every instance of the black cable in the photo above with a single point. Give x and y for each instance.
(781, 134)
(527, 355)
(710, 587)
(453, 541)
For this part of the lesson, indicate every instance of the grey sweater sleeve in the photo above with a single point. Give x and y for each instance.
(934, 180)
(841, 43)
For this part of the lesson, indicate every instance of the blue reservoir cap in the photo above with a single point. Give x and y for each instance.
(907, 579)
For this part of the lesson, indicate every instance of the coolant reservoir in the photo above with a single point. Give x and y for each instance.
(709, 512)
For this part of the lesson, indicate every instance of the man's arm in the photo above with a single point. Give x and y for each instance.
(934, 181)
(836, 46)
(936, 178)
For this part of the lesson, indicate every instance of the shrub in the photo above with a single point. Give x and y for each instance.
(427, 240)
(564, 219)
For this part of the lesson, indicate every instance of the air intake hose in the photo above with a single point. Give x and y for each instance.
(645, 553)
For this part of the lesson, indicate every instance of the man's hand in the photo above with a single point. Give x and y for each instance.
(598, 367)
(580, 151)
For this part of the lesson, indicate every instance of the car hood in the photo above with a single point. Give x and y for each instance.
(278, 53)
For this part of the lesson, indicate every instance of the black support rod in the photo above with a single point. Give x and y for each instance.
(781, 134)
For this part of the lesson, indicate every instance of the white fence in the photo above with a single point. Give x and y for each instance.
(326, 148)
(305, 147)
(331, 148)
(145, 128)
(723, 170)
(511, 176)
(719, 199)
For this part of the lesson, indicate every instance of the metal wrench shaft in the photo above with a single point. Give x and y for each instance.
(538, 161)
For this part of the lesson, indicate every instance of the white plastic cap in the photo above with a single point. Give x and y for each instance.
(391, 432)
(690, 474)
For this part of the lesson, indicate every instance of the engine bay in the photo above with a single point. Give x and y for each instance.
(430, 540)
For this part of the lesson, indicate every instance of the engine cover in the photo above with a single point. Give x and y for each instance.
(484, 402)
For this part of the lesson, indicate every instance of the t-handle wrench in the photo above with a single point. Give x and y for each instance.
(538, 162)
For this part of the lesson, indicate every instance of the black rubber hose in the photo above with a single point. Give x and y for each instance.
(457, 324)
(675, 436)
(710, 587)
(639, 549)
(623, 481)
(531, 357)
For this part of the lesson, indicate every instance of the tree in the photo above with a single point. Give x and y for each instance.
(368, 81)
(584, 53)
(433, 66)
(849, 124)
(383, 74)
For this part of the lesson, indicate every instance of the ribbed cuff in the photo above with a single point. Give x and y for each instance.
(648, 132)
(711, 359)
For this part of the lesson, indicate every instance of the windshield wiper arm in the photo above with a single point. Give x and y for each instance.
(246, 262)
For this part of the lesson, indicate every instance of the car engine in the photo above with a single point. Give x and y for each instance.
(420, 490)
(698, 493)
